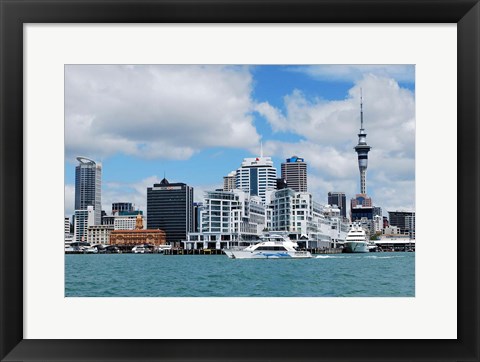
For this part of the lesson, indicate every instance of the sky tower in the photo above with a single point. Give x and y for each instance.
(362, 150)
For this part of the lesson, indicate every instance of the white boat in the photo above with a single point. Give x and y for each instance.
(356, 240)
(272, 246)
(139, 249)
(161, 248)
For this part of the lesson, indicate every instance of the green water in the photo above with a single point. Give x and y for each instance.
(156, 275)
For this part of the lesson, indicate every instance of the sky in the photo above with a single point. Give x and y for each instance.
(196, 123)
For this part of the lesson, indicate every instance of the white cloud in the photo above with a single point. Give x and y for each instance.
(156, 111)
(355, 72)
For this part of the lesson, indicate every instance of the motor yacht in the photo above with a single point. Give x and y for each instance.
(271, 246)
(356, 240)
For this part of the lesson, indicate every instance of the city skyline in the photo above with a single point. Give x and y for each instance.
(195, 124)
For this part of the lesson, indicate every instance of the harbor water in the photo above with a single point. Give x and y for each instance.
(155, 275)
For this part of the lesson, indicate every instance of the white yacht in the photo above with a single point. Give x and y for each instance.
(272, 246)
(356, 240)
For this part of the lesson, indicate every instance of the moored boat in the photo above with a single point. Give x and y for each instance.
(356, 240)
(273, 246)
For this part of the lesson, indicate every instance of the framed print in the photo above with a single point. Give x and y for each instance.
(55, 56)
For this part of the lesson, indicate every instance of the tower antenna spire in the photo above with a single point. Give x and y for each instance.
(361, 109)
(261, 149)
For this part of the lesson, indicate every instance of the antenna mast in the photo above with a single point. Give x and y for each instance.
(361, 109)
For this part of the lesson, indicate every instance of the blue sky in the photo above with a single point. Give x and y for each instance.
(196, 123)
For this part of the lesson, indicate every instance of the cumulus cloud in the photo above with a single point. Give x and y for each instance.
(354, 73)
(156, 111)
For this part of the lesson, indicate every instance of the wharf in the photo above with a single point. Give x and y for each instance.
(220, 252)
(193, 252)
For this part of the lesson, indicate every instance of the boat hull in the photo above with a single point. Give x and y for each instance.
(242, 254)
(356, 247)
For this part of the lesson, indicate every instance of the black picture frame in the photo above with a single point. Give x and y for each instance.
(15, 13)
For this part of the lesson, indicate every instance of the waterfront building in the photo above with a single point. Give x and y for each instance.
(197, 220)
(170, 208)
(229, 181)
(228, 218)
(138, 236)
(119, 207)
(88, 187)
(255, 176)
(377, 224)
(377, 211)
(126, 222)
(359, 212)
(68, 236)
(339, 199)
(99, 234)
(83, 219)
(405, 220)
(294, 172)
(67, 226)
(410, 223)
(362, 150)
(308, 222)
(391, 230)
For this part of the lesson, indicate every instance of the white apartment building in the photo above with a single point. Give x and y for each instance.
(228, 218)
(255, 176)
(308, 222)
(99, 234)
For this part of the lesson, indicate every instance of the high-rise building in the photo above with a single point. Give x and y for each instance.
(294, 172)
(362, 150)
(83, 219)
(339, 199)
(256, 176)
(228, 218)
(88, 187)
(404, 220)
(170, 208)
(229, 181)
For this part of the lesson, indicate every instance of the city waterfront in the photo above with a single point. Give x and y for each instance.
(155, 275)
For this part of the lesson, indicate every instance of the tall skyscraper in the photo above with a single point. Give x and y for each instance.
(256, 176)
(339, 199)
(362, 150)
(88, 187)
(170, 208)
(294, 171)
